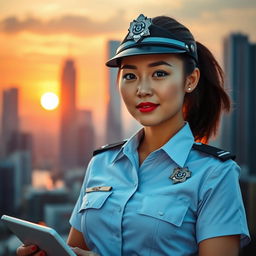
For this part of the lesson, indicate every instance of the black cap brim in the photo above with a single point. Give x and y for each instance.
(143, 50)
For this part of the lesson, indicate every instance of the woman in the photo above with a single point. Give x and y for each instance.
(163, 192)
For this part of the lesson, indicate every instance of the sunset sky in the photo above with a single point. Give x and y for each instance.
(37, 36)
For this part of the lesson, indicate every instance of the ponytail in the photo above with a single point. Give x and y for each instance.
(202, 108)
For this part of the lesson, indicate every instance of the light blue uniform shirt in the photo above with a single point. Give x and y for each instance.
(145, 213)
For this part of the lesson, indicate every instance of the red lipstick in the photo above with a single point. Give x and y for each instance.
(146, 106)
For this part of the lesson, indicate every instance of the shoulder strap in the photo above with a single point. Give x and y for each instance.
(217, 152)
(108, 146)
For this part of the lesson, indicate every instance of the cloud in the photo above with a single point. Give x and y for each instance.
(197, 13)
(188, 10)
(72, 24)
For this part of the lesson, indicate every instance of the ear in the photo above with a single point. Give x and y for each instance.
(192, 81)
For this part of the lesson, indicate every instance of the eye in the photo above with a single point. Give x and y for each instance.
(129, 76)
(160, 73)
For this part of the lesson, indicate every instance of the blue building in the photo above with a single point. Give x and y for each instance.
(238, 128)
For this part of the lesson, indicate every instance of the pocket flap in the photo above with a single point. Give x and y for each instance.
(165, 208)
(94, 200)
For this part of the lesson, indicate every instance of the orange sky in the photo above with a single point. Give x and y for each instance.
(36, 37)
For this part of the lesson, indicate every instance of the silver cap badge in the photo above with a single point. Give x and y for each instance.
(139, 28)
(180, 174)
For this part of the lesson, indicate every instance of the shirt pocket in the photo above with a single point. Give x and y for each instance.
(94, 200)
(165, 208)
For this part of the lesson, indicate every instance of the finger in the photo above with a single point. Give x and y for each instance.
(40, 253)
(24, 250)
(81, 252)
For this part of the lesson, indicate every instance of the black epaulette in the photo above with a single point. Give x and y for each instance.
(108, 146)
(217, 152)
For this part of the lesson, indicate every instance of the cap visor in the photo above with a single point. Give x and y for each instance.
(144, 50)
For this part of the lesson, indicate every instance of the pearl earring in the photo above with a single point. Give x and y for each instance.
(189, 88)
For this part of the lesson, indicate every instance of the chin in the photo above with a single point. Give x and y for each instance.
(156, 120)
(149, 122)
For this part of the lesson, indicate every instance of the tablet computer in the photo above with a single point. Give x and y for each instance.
(45, 238)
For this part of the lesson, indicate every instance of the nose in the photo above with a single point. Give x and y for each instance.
(144, 88)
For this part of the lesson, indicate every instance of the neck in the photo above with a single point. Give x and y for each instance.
(156, 136)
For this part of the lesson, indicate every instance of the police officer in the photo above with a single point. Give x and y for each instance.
(163, 191)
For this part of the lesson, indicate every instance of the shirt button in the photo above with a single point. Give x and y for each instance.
(135, 184)
(87, 202)
(161, 213)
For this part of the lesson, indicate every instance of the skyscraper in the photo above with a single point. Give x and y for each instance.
(67, 144)
(10, 118)
(113, 118)
(20, 141)
(15, 176)
(252, 109)
(238, 128)
(76, 126)
(7, 188)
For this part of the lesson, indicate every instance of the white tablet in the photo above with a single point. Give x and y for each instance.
(45, 238)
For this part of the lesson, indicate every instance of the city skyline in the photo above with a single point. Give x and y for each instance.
(48, 144)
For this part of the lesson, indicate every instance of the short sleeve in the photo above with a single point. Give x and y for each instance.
(221, 211)
(75, 219)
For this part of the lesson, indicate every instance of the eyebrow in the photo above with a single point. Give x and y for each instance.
(153, 64)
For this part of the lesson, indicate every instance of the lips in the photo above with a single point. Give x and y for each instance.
(146, 106)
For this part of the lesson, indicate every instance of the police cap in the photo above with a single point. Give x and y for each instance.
(144, 37)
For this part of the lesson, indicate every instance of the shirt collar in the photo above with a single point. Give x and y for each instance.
(131, 145)
(177, 148)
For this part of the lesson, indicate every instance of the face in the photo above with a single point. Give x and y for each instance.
(152, 87)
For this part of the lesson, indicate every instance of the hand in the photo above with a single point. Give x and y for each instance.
(80, 252)
(25, 250)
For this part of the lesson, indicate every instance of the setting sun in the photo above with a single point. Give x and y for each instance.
(49, 101)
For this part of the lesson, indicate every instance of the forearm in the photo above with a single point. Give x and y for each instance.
(76, 239)
(220, 246)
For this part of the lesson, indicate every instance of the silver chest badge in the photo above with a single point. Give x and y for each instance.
(139, 28)
(180, 174)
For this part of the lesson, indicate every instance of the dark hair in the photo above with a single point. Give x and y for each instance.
(202, 108)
